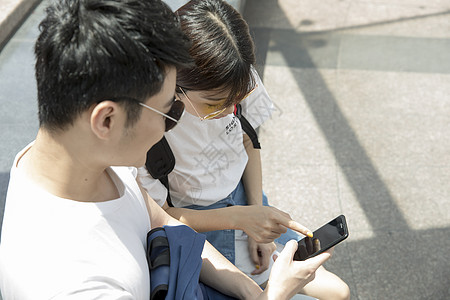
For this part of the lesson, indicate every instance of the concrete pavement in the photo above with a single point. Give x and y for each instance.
(362, 128)
(12, 12)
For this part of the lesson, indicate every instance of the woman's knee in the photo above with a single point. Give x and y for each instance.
(343, 291)
(327, 285)
(338, 289)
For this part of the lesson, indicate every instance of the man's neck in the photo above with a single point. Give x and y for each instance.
(66, 168)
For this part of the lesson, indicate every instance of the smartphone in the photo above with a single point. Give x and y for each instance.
(323, 239)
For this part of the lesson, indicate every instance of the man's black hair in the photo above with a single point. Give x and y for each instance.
(94, 50)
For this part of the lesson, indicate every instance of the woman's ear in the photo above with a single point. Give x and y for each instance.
(104, 118)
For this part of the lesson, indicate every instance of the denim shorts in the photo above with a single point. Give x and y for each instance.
(224, 240)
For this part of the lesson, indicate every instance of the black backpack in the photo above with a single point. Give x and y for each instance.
(161, 161)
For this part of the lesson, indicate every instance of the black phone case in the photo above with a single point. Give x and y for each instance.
(343, 237)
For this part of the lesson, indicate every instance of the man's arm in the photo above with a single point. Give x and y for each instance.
(220, 274)
(286, 279)
(216, 271)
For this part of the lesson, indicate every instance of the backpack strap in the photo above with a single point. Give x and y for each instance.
(158, 259)
(165, 181)
(160, 162)
(247, 127)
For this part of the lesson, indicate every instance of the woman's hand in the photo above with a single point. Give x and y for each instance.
(260, 255)
(264, 224)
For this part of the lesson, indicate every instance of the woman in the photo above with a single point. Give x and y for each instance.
(216, 185)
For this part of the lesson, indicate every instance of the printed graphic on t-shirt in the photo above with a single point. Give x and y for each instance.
(229, 128)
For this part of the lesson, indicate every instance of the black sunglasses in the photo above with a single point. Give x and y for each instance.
(174, 114)
(172, 117)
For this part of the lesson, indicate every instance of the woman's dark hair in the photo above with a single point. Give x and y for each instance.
(222, 49)
(94, 50)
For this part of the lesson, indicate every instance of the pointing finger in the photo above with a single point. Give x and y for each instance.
(298, 227)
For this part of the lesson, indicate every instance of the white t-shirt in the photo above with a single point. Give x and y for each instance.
(55, 248)
(210, 155)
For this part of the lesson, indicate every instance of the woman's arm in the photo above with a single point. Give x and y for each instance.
(262, 223)
(206, 220)
(252, 177)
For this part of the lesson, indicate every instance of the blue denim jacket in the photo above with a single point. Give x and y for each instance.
(223, 240)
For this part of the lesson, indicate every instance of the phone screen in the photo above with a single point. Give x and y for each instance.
(323, 238)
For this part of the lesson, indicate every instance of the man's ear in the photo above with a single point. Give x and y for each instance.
(104, 118)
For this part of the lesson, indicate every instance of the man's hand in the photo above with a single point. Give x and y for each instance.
(264, 224)
(287, 276)
(260, 254)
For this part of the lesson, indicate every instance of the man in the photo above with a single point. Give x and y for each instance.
(75, 227)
